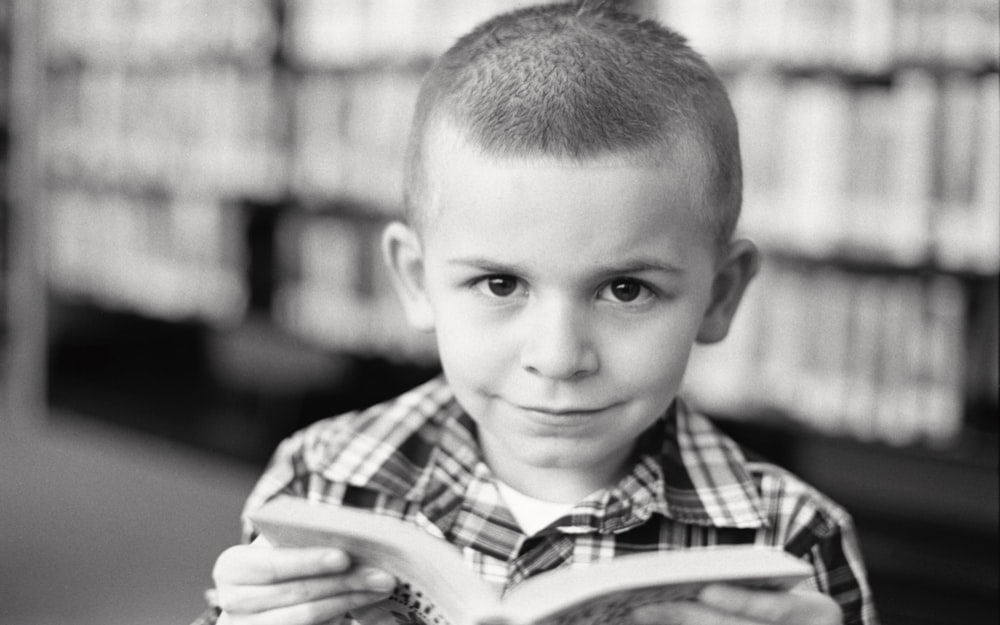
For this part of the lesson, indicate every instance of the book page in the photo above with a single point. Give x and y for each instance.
(607, 592)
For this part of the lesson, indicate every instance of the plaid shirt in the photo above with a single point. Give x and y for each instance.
(416, 458)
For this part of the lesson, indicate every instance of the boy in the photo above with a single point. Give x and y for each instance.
(572, 190)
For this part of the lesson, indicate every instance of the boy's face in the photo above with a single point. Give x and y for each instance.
(565, 299)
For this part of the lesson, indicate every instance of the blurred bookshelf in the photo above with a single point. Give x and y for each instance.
(8, 222)
(5, 82)
(214, 177)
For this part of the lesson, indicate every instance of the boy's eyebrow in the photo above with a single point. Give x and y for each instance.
(641, 266)
(484, 264)
(625, 268)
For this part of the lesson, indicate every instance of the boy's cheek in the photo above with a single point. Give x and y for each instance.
(467, 329)
(468, 348)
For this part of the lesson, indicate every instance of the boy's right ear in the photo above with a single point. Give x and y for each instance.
(404, 256)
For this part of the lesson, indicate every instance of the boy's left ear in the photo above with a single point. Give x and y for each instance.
(741, 264)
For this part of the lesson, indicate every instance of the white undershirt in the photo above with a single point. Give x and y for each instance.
(530, 513)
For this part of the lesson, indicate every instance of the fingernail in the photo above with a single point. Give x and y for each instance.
(380, 580)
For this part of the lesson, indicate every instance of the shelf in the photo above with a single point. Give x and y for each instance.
(74, 63)
(236, 391)
(867, 264)
(971, 460)
(856, 77)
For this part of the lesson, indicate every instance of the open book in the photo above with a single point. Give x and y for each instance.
(437, 587)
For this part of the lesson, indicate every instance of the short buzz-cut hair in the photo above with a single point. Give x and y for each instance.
(582, 80)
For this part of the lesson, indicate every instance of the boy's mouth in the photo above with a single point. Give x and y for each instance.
(545, 410)
(563, 411)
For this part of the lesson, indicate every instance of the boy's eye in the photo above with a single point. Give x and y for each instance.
(625, 291)
(500, 286)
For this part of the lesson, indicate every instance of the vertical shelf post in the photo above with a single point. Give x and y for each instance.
(24, 403)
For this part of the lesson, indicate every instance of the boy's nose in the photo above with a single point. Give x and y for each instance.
(558, 344)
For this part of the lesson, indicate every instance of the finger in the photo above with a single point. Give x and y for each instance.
(686, 613)
(251, 599)
(250, 564)
(772, 606)
(311, 613)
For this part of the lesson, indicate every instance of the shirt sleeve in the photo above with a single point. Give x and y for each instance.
(838, 568)
(808, 524)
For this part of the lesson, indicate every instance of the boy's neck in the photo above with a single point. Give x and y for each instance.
(554, 484)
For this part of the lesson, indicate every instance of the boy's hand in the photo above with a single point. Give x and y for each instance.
(721, 604)
(259, 585)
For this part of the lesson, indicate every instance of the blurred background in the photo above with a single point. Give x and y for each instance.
(192, 194)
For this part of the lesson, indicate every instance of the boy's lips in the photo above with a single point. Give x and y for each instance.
(563, 411)
(580, 409)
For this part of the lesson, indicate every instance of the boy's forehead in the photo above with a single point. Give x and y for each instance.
(449, 153)
(491, 201)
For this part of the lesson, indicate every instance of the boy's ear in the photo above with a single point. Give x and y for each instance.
(405, 258)
(741, 264)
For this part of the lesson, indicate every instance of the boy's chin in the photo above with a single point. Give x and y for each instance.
(569, 459)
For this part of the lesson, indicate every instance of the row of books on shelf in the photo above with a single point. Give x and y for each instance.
(350, 135)
(141, 33)
(214, 130)
(352, 323)
(868, 35)
(188, 259)
(856, 35)
(167, 258)
(336, 290)
(223, 132)
(366, 32)
(907, 173)
(880, 358)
